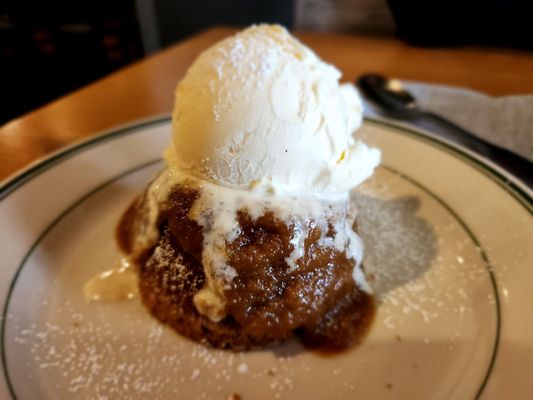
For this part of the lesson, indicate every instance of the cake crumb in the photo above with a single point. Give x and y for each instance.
(242, 368)
(235, 396)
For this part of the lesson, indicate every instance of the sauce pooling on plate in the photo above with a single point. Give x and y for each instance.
(120, 283)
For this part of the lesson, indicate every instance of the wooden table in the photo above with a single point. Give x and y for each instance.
(146, 88)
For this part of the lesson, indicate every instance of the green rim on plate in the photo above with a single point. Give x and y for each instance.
(515, 190)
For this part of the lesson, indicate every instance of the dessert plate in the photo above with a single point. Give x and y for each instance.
(448, 246)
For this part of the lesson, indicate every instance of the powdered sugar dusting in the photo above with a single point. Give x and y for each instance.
(59, 346)
(216, 211)
(175, 274)
(91, 358)
(415, 272)
(226, 61)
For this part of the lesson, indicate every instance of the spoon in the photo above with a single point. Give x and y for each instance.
(398, 103)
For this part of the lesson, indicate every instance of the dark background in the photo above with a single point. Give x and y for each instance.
(50, 48)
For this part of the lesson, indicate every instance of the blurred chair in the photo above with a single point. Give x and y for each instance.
(49, 48)
(349, 16)
(163, 22)
(504, 23)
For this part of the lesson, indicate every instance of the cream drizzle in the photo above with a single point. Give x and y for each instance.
(116, 284)
(216, 211)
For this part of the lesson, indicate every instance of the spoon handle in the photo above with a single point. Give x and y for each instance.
(514, 163)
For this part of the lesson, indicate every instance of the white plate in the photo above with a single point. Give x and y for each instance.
(450, 244)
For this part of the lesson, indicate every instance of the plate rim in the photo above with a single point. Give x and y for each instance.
(504, 179)
(18, 178)
(475, 240)
(520, 194)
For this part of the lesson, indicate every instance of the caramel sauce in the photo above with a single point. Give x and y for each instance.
(267, 301)
(120, 283)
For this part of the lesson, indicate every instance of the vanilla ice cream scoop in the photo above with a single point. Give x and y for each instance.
(261, 110)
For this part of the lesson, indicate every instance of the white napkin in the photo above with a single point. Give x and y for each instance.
(506, 121)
